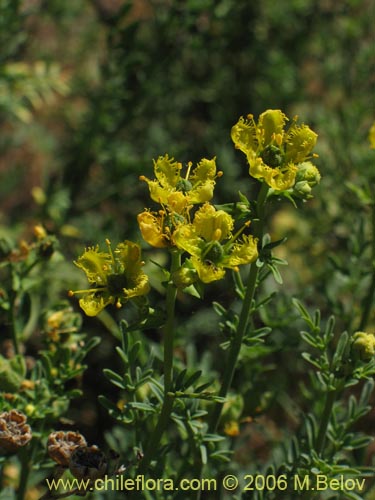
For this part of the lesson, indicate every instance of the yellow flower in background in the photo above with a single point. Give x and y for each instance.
(272, 151)
(371, 136)
(213, 248)
(177, 192)
(116, 276)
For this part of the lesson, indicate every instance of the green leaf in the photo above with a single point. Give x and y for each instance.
(108, 404)
(123, 356)
(203, 451)
(340, 350)
(192, 379)
(115, 378)
(308, 357)
(276, 273)
(146, 407)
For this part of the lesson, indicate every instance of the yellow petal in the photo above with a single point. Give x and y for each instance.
(277, 178)
(186, 238)
(92, 305)
(244, 136)
(242, 253)
(271, 123)
(95, 264)
(207, 271)
(299, 143)
(167, 171)
(208, 221)
(151, 230)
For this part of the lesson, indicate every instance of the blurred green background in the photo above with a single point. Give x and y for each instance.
(92, 91)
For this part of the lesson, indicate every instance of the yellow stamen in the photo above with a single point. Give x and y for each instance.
(90, 290)
(189, 165)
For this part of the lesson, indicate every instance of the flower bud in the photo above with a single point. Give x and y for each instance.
(185, 276)
(303, 189)
(364, 345)
(61, 445)
(14, 431)
(309, 173)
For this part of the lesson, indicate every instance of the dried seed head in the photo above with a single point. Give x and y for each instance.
(61, 445)
(14, 431)
(88, 462)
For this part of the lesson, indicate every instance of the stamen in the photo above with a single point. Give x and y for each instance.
(189, 165)
(239, 232)
(71, 293)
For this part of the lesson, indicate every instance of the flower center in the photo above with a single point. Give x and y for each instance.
(213, 252)
(184, 186)
(272, 156)
(116, 283)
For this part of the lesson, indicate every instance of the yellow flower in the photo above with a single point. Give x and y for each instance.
(273, 153)
(153, 230)
(115, 276)
(157, 228)
(176, 192)
(371, 136)
(209, 241)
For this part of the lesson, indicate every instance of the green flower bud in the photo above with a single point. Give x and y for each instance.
(302, 189)
(309, 173)
(185, 276)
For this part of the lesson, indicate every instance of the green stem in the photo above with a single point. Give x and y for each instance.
(166, 409)
(330, 399)
(244, 315)
(368, 301)
(13, 319)
(25, 459)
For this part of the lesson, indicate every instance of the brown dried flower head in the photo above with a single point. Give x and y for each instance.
(61, 445)
(14, 431)
(88, 462)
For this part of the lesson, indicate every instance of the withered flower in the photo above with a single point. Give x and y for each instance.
(14, 431)
(88, 462)
(61, 445)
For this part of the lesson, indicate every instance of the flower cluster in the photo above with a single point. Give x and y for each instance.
(275, 154)
(116, 276)
(205, 235)
(211, 245)
(188, 223)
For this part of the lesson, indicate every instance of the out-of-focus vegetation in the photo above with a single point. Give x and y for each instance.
(92, 91)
